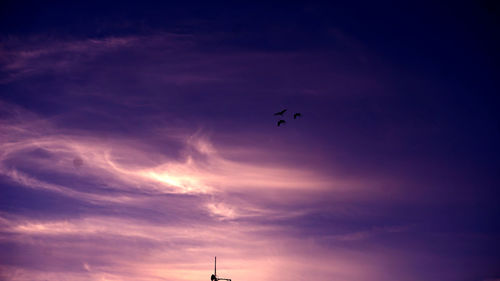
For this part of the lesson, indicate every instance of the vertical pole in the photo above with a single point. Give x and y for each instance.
(215, 268)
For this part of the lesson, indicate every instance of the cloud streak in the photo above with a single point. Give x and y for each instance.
(141, 157)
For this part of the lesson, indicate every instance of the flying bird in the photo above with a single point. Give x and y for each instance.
(297, 115)
(280, 113)
(281, 122)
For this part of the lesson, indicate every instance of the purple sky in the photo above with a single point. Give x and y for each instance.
(137, 142)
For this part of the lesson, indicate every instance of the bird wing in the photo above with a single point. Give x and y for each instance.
(280, 113)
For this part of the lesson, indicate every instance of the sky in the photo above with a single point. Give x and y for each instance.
(138, 141)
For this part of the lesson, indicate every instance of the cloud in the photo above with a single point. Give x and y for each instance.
(362, 235)
(39, 156)
(142, 157)
(41, 55)
(165, 215)
(198, 200)
(116, 244)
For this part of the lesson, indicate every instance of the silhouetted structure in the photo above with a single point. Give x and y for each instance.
(214, 276)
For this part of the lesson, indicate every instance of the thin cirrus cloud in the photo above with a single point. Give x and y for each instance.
(20, 60)
(142, 157)
(203, 169)
(158, 247)
(115, 171)
(106, 247)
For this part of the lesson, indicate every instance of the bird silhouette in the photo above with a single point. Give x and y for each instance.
(297, 115)
(280, 113)
(281, 122)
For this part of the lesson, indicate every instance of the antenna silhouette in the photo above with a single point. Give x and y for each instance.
(214, 276)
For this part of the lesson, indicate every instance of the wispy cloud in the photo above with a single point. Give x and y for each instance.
(141, 157)
(202, 168)
(160, 246)
(217, 208)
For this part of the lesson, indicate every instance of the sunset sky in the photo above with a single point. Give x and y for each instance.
(137, 141)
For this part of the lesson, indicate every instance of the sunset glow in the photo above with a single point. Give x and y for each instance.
(139, 141)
